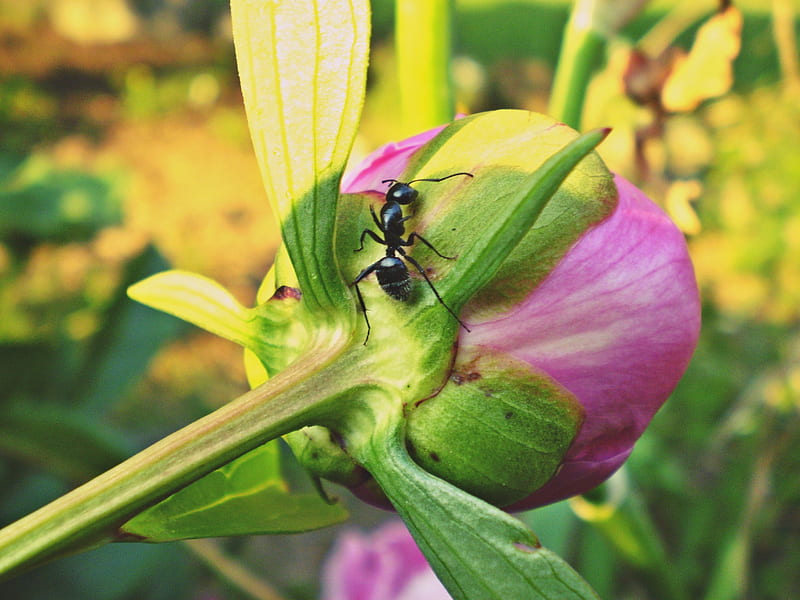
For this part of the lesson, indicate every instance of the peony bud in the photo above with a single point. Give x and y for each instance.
(615, 323)
(566, 360)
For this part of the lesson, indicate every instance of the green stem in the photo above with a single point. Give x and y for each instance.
(91, 514)
(477, 550)
(622, 518)
(232, 570)
(582, 45)
(422, 40)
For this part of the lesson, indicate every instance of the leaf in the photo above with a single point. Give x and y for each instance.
(121, 351)
(245, 497)
(478, 551)
(41, 203)
(302, 66)
(59, 440)
(729, 577)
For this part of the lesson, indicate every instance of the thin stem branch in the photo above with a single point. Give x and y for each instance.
(215, 558)
(783, 19)
(582, 45)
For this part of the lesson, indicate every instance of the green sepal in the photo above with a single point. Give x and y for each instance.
(245, 497)
(315, 449)
(302, 68)
(280, 274)
(536, 188)
(478, 551)
(270, 330)
(200, 301)
(498, 429)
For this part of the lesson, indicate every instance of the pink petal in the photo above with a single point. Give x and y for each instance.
(616, 323)
(379, 566)
(385, 163)
(425, 586)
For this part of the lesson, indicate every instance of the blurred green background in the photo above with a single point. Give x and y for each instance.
(124, 151)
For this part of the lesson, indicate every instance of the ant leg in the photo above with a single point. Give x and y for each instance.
(373, 235)
(361, 276)
(363, 310)
(414, 234)
(375, 217)
(438, 297)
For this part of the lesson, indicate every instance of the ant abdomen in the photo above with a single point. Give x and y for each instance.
(393, 278)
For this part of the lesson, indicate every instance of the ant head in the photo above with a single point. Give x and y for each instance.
(403, 193)
(400, 192)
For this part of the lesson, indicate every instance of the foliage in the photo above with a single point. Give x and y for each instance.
(713, 475)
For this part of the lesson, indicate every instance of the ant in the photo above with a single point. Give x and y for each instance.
(391, 271)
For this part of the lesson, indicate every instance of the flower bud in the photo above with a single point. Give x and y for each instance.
(567, 352)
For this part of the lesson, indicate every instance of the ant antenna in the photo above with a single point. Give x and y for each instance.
(426, 179)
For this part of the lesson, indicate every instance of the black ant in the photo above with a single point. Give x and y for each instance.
(390, 270)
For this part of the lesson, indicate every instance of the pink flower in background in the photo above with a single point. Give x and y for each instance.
(615, 323)
(383, 565)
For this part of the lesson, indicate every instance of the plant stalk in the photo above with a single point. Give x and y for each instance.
(422, 41)
(91, 514)
(478, 551)
(581, 46)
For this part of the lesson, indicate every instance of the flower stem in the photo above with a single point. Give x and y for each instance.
(92, 514)
(422, 39)
(582, 45)
(477, 550)
(235, 573)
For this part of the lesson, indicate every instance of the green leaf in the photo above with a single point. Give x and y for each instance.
(729, 577)
(121, 351)
(40, 202)
(478, 551)
(245, 497)
(302, 67)
(61, 441)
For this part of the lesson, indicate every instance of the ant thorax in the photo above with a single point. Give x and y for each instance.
(391, 270)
